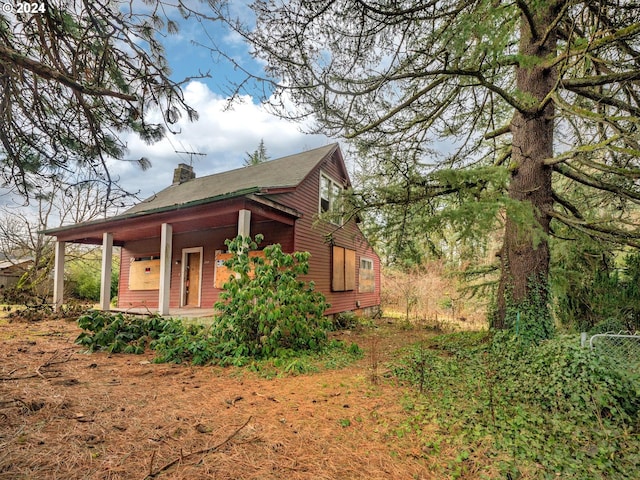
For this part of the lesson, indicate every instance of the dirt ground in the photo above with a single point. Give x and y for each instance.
(65, 414)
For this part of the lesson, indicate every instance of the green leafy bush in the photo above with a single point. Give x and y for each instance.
(265, 310)
(561, 376)
(610, 325)
(84, 275)
(188, 344)
(593, 283)
(118, 332)
(175, 342)
(171, 339)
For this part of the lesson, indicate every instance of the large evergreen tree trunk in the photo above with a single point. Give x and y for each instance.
(525, 253)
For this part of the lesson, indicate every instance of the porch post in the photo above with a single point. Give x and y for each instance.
(58, 276)
(105, 276)
(244, 223)
(166, 237)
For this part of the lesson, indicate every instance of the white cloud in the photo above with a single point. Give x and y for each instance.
(224, 135)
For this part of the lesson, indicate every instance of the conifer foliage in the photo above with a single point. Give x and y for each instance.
(438, 95)
(76, 75)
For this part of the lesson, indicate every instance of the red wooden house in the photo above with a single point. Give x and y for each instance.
(172, 244)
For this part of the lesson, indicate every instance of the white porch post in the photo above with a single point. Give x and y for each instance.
(166, 237)
(58, 276)
(244, 223)
(105, 276)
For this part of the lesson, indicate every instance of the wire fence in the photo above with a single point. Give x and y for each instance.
(623, 347)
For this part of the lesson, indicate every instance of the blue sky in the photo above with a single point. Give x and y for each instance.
(225, 136)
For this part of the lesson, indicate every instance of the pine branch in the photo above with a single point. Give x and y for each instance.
(615, 235)
(598, 97)
(524, 8)
(600, 80)
(9, 55)
(568, 205)
(591, 181)
(498, 132)
(199, 452)
(581, 150)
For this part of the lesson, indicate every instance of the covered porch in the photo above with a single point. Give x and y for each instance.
(235, 215)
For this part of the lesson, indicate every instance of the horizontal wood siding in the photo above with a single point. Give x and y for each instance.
(274, 232)
(210, 241)
(310, 237)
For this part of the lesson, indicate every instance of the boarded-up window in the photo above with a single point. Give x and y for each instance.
(144, 274)
(343, 276)
(222, 273)
(367, 277)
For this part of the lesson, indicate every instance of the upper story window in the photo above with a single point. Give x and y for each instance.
(330, 191)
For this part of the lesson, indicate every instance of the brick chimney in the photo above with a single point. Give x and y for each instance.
(183, 173)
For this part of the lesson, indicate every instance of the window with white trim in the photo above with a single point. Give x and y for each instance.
(366, 277)
(330, 191)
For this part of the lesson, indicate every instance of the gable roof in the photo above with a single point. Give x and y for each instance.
(258, 183)
(281, 173)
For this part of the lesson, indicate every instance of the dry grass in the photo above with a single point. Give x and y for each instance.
(430, 297)
(69, 415)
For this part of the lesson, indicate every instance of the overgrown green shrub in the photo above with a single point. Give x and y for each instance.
(610, 325)
(172, 340)
(594, 283)
(85, 276)
(265, 310)
(175, 342)
(553, 410)
(188, 344)
(118, 332)
(562, 376)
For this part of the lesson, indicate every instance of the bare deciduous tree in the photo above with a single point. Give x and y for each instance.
(68, 201)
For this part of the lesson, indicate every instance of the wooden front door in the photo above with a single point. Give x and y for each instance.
(192, 277)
